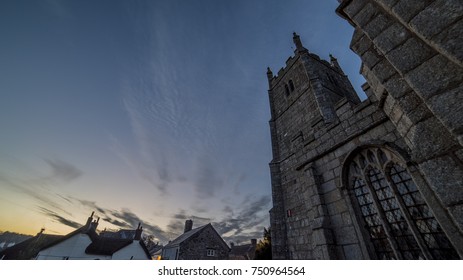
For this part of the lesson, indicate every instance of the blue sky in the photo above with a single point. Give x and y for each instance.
(151, 111)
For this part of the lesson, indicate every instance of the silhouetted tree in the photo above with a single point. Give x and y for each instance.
(264, 247)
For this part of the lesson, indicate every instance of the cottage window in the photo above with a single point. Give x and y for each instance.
(399, 223)
(210, 252)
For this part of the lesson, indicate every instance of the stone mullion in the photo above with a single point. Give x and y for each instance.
(383, 218)
(408, 218)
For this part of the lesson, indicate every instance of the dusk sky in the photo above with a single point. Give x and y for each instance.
(150, 111)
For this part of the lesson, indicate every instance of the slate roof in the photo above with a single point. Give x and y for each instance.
(187, 235)
(191, 233)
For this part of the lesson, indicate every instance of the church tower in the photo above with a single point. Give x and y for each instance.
(357, 180)
(302, 96)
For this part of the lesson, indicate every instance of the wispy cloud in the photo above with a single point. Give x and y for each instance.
(177, 222)
(62, 170)
(208, 178)
(250, 213)
(90, 204)
(58, 218)
(38, 188)
(127, 217)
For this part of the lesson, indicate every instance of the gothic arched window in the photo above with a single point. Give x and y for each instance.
(399, 223)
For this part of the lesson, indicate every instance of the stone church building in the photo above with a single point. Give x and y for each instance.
(380, 178)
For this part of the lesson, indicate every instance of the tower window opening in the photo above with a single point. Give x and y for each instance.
(291, 85)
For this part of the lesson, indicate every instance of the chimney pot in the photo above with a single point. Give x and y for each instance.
(188, 225)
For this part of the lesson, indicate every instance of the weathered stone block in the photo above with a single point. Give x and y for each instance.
(451, 41)
(396, 113)
(434, 75)
(409, 55)
(429, 138)
(442, 13)
(362, 45)
(319, 237)
(420, 113)
(371, 58)
(457, 213)
(315, 200)
(446, 179)
(460, 139)
(387, 4)
(459, 155)
(330, 184)
(406, 9)
(345, 235)
(383, 70)
(391, 137)
(336, 220)
(365, 122)
(377, 25)
(446, 105)
(389, 127)
(353, 252)
(409, 101)
(346, 218)
(368, 12)
(397, 86)
(337, 207)
(391, 37)
(358, 33)
(404, 125)
(389, 104)
(375, 84)
(354, 7)
(332, 196)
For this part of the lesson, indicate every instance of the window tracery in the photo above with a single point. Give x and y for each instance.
(399, 223)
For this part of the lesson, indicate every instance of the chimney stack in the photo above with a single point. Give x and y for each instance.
(188, 226)
(138, 232)
(89, 223)
(94, 224)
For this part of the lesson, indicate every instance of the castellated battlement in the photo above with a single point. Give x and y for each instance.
(292, 59)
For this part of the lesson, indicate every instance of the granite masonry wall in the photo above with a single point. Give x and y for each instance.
(195, 248)
(414, 76)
